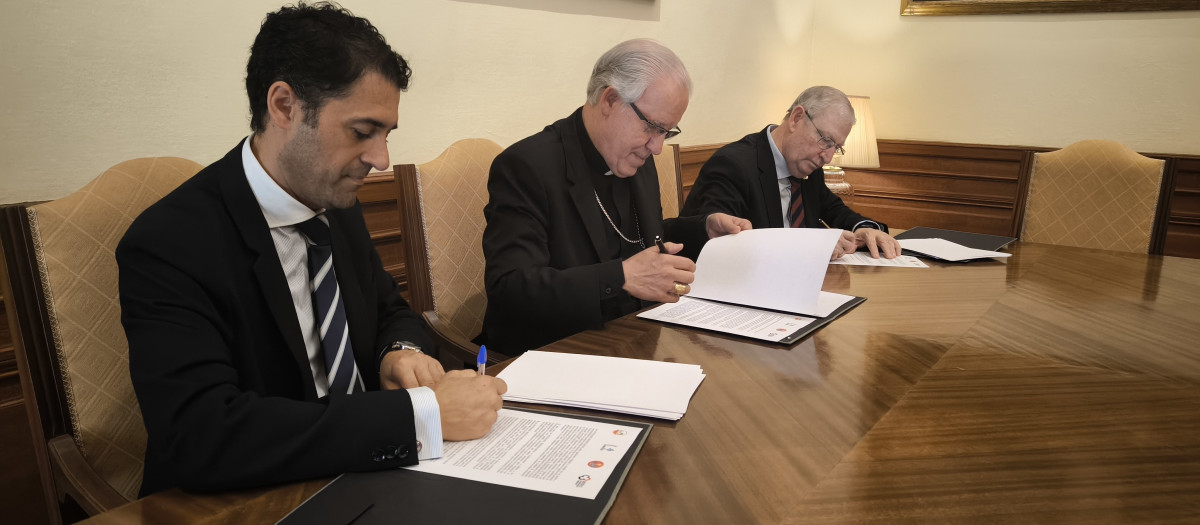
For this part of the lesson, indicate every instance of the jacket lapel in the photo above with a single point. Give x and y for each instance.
(648, 202)
(583, 195)
(768, 180)
(247, 216)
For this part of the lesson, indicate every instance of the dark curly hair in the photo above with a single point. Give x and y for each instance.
(320, 50)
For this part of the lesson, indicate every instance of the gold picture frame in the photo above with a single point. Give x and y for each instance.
(1000, 7)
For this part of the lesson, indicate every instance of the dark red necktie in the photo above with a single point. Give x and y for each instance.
(796, 209)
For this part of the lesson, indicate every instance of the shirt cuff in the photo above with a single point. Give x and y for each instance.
(427, 417)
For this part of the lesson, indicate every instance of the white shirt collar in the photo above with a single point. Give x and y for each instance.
(781, 170)
(279, 208)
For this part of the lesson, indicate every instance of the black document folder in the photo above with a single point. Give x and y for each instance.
(979, 241)
(407, 496)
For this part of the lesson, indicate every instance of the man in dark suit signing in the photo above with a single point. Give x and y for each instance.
(774, 177)
(267, 343)
(574, 210)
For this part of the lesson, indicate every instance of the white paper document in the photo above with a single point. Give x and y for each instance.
(738, 320)
(947, 251)
(631, 386)
(542, 452)
(865, 259)
(774, 268)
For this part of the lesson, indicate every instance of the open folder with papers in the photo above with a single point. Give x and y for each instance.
(948, 251)
(764, 284)
(533, 467)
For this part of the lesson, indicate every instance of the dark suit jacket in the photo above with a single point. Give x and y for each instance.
(217, 358)
(546, 276)
(740, 179)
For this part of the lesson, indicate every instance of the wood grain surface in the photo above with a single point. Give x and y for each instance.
(1059, 386)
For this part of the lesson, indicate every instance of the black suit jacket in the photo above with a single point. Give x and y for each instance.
(217, 358)
(546, 275)
(740, 179)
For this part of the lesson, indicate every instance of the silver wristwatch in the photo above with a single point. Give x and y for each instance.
(398, 345)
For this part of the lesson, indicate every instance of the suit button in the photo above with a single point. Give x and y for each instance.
(607, 290)
(392, 451)
(402, 453)
(377, 455)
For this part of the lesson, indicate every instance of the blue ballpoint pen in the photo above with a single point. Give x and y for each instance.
(481, 361)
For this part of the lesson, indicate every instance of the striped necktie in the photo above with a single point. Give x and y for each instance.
(330, 312)
(796, 208)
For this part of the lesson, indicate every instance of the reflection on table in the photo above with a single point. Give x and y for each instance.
(1061, 385)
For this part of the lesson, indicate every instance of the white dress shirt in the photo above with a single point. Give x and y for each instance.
(283, 212)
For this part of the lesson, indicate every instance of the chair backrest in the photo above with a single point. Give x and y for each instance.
(441, 205)
(1093, 194)
(670, 180)
(63, 276)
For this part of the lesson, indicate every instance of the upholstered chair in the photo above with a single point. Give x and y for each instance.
(1093, 194)
(71, 348)
(441, 217)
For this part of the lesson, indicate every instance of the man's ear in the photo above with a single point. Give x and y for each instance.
(609, 101)
(282, 105)
(795, 119)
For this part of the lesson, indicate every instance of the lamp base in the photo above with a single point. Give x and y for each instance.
(835, 180)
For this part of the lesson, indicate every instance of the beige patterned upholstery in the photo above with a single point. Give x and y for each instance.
(669, 180)
(75, 238)
(453, 191)
(1093, 194)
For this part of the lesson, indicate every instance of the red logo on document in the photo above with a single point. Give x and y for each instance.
(618, 432)
(595, 464)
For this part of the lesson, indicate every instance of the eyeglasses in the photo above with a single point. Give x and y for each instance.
(826, 142)
(655, 128)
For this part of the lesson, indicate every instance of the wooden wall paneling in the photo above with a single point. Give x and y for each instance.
(691, 159)
(378, 197)
(1181, 236)
(969, 187)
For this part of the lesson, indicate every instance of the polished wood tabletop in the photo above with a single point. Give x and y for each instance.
(1061, 385)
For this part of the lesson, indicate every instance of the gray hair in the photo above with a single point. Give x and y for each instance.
(630, 67)
(817, 99)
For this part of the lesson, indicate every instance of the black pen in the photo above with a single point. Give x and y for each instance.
(662, 248)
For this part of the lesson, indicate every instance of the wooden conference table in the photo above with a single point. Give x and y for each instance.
(1061, 385)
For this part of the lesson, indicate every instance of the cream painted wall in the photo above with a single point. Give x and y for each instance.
(1036, 80)
(85, 88)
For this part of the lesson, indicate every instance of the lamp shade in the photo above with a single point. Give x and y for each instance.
(861, 149)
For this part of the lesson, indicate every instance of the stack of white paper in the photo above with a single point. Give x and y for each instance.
(629, 386)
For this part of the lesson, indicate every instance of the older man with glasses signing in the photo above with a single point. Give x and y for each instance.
(574, 211)
(774, 178)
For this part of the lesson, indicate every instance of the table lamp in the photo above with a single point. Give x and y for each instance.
(861, 150)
